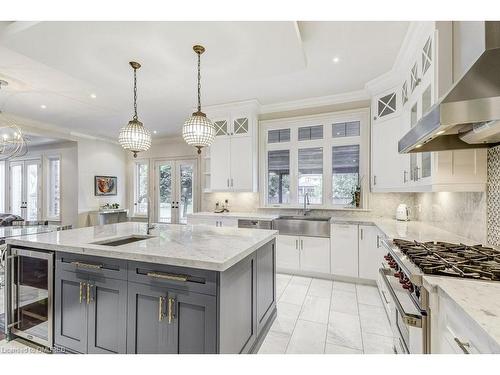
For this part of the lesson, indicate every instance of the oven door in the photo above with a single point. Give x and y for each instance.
(406, 318)
(30, 297)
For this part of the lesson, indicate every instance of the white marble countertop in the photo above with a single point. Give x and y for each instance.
(238, 215)
(109, 211)
(480, 300)
(15, 231)
(197, 246)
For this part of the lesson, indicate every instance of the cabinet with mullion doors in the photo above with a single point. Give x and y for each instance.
(233, 154)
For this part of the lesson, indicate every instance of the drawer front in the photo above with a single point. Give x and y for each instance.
(92, 266)
(181, 278)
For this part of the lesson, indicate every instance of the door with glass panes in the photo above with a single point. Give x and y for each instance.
(25, 189)
(174, 190)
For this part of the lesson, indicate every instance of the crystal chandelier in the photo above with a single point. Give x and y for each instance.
(13, 142)
(198, 130)
(135, 137)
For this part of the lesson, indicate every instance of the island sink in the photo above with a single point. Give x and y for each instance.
(122, 240)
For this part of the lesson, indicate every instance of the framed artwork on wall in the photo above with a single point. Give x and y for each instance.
(105, 185)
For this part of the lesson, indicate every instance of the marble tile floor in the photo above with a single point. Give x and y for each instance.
(317, 316)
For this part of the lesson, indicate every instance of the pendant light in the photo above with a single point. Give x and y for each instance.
(13, 143)
(135, 137)
(198, 130)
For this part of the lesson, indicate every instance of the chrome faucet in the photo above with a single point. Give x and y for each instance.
(306, 203)
(150, 226)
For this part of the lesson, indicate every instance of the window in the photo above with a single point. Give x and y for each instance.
(345, 173)
(427, 55)
(2, 187)
(345, 129)
(278, 187)
(310, 132)
(54, 188)
(320, 159)
(311, 175)
(278, 136)
(141, 176)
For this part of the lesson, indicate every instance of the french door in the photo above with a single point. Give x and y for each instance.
(175, 193)
(25, 189)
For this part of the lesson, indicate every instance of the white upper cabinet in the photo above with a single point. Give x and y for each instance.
(414, 82)
(233, 156)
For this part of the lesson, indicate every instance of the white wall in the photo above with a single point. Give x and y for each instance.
(99, 158)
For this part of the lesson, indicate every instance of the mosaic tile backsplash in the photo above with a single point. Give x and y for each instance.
(494, 196)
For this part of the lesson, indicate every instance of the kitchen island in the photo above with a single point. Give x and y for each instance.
(178, 289)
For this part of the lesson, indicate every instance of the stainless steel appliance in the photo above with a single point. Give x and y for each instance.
(400, 283)
(255, 224)
(468, 116)
(303, 226)
(29, 299)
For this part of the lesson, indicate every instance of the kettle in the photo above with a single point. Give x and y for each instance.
(403, 212)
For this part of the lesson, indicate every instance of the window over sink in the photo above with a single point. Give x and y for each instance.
(325, 156)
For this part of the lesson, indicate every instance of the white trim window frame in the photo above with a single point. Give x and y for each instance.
(53, 188)
(140, 202)
(326, 143)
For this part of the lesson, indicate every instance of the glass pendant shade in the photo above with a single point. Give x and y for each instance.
(135, 137)
(198, 131)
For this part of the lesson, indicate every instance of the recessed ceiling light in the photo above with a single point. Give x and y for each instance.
(43, 106)
(93, 96)
(154, 131)
(335, 60)
(418, 146)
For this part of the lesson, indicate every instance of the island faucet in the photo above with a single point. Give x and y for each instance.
(306, 203)
(150, 226)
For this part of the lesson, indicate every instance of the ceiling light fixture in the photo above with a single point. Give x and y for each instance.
(135, 137)
(440, 132)
(43, 106)
(93, 96)
(198, 130)
(12, 143)
(335, 60)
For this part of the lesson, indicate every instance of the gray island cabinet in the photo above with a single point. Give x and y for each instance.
(108, 305)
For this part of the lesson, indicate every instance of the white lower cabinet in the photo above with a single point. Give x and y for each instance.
(344, 245)
(356, 251)
(371, 253)
(287, 252)
(311, 254)
(453, 332)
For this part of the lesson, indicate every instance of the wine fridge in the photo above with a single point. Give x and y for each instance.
(29, 273)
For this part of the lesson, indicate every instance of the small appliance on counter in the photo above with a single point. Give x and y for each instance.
(222, 208)
(403, 212)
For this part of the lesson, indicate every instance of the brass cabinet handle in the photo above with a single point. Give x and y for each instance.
(462, 345)
(171, 314)
(168, 276)
(160, 308)
(89, 286)
(87, 265)
(81, 291)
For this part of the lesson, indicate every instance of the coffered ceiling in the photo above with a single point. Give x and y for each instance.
(76, 74)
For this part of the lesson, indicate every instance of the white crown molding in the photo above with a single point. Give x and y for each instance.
(417, 31)
(252, 103)
(314, 102)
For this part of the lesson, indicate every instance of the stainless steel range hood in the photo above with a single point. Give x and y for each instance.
(468, 116)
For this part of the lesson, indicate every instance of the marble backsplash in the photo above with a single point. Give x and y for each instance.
(460, 213)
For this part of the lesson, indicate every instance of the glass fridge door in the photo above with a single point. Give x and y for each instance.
(31, 295)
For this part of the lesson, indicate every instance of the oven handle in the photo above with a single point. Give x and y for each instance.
(409, 319)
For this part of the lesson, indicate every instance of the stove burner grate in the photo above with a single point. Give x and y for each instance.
(449, 259)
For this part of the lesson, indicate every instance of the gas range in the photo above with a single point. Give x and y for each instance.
(401, 282)
(449, 259)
